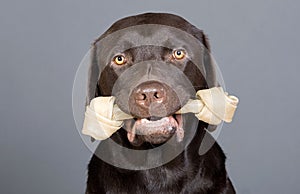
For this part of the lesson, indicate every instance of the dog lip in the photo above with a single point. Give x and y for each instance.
(151, 124)
(155, 129)
(154, 118)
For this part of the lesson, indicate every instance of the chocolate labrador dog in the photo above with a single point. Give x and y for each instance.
(153, 63)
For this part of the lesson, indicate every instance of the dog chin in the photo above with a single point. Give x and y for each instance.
(155, 130)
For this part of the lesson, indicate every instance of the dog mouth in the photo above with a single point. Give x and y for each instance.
(155, 130)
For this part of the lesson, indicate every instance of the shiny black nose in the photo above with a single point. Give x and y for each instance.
(149, 92)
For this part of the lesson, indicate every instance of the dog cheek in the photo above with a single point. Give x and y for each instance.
(106, 81)
(195, 76)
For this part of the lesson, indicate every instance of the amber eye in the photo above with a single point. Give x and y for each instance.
(120, 60)
(179, 54)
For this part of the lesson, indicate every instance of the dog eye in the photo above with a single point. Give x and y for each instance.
(119, 60)
(179, 54)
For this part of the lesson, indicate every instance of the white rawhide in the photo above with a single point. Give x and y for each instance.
(103, 117)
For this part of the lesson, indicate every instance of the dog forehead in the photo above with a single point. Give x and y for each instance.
(147, 34)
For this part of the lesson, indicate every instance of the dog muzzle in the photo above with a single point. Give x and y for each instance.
(103, 117)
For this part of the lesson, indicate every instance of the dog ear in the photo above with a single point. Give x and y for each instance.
(209, 63)
(199, 34)
(93, 76)
(210, 69)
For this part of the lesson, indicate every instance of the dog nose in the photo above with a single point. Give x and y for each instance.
(149, 92)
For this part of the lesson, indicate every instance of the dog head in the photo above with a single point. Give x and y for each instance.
(152, 63)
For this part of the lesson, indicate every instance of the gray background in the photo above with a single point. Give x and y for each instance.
(256, 44)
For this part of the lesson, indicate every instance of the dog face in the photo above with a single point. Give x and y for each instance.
(152, 67)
